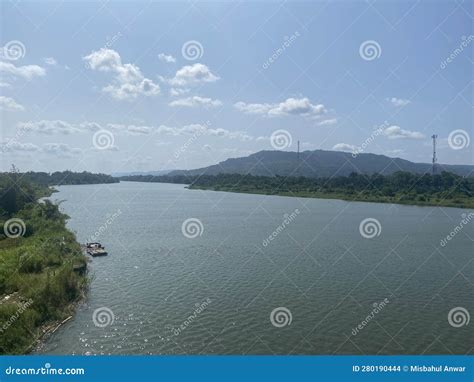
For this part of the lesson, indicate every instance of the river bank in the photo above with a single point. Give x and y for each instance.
(43, 275)
(465, 203)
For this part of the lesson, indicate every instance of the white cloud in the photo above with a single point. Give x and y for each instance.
(166, 58)
(253, 108)
(60, 149)
(58, 126)
(198, 129)
(9, 104)
(174, 92)
(92, 126)
(196, 101)
(48, 127)
(139, 130)
(26, 72)
(396, 132)
(291, 106)
(328, 122)
(128, 83)
(344, 147)
(50, 61)
(398, 102)
(395, 152)
(191, 75)
(13, 145)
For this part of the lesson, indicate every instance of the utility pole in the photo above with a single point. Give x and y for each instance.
(298, 155)
(434, 137)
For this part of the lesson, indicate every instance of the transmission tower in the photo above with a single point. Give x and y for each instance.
(433, 169)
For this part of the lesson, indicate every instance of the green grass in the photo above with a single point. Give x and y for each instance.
(39, 276)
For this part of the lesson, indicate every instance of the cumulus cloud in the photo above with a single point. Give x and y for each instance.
(128, 82)
(344, 147)
(192, 75)
(9, 104)
(398, 102)
(26, 72)
(196, 101)
(396, 132)
(291, 106)
(166, 58)
(48, 127)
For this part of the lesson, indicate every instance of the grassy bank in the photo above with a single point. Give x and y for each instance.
(460, 203)
(42, 268)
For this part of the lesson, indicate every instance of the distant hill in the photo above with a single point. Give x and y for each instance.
(319, 163)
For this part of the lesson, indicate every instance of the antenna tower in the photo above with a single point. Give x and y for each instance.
(435, 159)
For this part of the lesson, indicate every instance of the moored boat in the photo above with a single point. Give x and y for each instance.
(95, 249)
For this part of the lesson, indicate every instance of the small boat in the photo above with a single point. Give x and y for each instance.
(95, 249)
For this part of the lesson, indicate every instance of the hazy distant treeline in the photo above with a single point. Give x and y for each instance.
(67, 177)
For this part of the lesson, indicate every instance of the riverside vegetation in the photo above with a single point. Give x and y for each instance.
(445, 189)
(42, 270)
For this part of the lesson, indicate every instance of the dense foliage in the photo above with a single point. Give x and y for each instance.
(67, 177)
(42, 271)
(401, 187)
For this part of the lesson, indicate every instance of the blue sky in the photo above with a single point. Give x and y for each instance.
(138, 86)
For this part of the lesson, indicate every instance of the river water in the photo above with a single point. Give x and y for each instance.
(323, 284)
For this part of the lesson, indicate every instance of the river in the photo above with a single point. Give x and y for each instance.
(328, 281)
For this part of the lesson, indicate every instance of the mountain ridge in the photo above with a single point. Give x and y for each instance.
(319, 163)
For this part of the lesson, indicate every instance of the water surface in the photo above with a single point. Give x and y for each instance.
(214, 294)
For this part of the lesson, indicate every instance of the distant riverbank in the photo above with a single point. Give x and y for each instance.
(445, 189)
